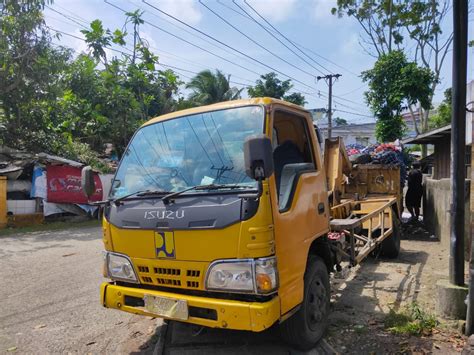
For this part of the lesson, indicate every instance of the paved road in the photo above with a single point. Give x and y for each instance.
(50, 297)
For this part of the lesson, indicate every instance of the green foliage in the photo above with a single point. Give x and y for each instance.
(82, 152)
(393, 83)
(443, 116)
(338, 121)
(51, 102)
(389, 24)
(30, 76)
(270, 86)
(208, 88)
(413, 320)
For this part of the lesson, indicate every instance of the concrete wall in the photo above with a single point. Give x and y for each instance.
(436, 206)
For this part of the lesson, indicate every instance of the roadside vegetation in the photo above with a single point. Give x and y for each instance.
(72, 104)
(412, 320)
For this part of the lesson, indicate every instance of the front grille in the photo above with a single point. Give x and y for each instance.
(193, 273)
(165, 271)
(147, 279)
(171, 273)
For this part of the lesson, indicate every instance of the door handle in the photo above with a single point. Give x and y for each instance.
(321, 208)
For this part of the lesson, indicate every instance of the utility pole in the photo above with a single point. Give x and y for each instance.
(329, 80)
(458, 142)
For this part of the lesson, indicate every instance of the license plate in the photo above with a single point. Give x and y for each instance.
(166, 307)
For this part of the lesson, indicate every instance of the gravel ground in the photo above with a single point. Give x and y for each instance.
(50, 303)
(50, 297)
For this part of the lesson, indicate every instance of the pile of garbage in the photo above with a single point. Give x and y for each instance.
(384, 153)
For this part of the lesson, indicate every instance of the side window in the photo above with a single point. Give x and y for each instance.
(292, 154)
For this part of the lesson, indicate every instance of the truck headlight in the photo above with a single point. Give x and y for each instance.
(243, 275)
(119, 267)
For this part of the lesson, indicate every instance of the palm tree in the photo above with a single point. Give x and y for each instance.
(209, 88)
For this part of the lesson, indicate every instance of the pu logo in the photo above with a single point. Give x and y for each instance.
(164, 244)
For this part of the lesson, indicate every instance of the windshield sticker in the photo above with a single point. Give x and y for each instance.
(164, 245)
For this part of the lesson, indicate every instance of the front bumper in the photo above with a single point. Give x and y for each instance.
(210, 312)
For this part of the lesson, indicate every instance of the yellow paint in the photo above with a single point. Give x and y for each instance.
(287, 235)
(254, 316)
(222, 106)
(3, 201)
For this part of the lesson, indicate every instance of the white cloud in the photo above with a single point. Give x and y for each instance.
(322, 9)
(185, 10)
(148, 38)
(274, 10)
(78, 45)
(351, 45)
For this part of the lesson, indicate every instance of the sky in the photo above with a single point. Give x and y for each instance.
(331, 44)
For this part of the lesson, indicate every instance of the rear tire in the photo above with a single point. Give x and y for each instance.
(307, 326)
(390, 246)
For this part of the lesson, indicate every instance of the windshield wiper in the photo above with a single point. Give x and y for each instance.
(166, 198)
(139, 193)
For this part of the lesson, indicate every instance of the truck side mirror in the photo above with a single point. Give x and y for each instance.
(87, 181)
(258, 156)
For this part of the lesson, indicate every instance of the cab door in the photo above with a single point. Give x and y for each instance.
(299, 198)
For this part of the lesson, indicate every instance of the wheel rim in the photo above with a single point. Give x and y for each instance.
(316, 304)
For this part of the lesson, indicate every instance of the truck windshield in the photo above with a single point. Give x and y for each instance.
(199, 149)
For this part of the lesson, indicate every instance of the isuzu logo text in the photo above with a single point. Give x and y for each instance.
(164, 214)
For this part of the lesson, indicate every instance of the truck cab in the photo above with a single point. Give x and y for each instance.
(218, 216)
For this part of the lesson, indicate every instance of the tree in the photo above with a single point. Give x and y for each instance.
(117, 99)
(209, 88)
(443, 115)
(400, 23)
(394, 82)
(338, 121)
(270, 86)
(30, 75)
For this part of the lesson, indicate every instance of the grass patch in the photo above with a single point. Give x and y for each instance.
(413, 320)
(51, 226)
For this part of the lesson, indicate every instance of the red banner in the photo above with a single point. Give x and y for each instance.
(64, 185)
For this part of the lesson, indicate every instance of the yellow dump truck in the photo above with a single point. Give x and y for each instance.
(227, 216)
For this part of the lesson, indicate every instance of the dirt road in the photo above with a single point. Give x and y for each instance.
(50, 304)
(50, 297)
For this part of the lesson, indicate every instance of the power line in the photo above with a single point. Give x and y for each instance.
(162, 18)
(158, 51)
(255, 42)
(66, 16)
(82, 39)
(248, 17)
(353, 113)
(281, 34)
(223, 43)
(352, 91)
(182, 69)
(186, 41)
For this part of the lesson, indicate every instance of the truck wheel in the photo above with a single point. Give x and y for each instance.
(390, 246)
(307, 326)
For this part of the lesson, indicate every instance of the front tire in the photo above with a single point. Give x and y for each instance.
(308, 325)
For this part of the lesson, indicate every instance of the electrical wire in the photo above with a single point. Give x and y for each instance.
(248, 17)
(224, 44)
(66, 16)
(180, 70)
(282, 35)
(255, 42)
(162, 18)
(186, 41)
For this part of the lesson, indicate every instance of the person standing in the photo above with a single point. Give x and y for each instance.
(415, 191)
